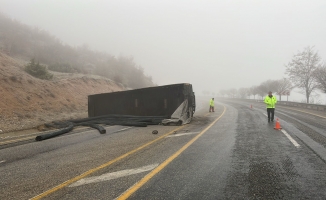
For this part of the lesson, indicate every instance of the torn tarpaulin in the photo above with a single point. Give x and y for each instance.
(182, 115)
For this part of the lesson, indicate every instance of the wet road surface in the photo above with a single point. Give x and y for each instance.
(233, 153)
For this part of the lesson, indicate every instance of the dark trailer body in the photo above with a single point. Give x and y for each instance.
(151, 101)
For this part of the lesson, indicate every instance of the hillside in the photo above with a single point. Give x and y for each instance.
(21, 41)
(28, 102)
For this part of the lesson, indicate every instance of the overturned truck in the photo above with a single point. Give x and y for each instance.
(169, 104)
(176, 103)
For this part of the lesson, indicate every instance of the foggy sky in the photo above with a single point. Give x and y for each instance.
(212, 44)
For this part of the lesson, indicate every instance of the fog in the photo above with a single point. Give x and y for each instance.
(212, 44)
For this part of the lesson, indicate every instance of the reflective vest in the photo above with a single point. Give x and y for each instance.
(211, 102)
(270, 101)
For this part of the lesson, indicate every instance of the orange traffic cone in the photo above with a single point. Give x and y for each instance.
(277, 125)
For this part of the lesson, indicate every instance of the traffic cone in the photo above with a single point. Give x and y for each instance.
(277, 125)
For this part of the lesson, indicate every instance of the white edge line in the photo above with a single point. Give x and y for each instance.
(123, 129)
(291, 139)
(113, 175)
(267, 116)
(182, 134)
(2, 161)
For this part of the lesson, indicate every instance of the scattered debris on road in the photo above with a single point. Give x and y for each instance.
(93, 122)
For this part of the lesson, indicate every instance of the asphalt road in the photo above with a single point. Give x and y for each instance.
(233, 153)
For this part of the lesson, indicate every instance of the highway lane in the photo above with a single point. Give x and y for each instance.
(240, 156)
(304, 123)
(32, 168)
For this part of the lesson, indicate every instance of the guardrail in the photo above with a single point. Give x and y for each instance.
(288, 103)
(303, 105)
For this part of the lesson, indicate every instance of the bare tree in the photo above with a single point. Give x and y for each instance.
(265, 87)
(271, 85)
(283, 86)
(233, 92)
(253, 91)
(262, 90)
(243, 92)
(222, 92)
(301, 70)
(320, 75)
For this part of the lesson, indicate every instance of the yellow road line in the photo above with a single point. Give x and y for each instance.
(144, 180)
(304, 112)
(17, 140)
(83, 175)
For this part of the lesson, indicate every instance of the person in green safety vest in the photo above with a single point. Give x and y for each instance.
(211, 105)
(270, 102)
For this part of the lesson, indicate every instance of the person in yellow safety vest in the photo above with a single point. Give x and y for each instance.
(270, 102)
(211, 105)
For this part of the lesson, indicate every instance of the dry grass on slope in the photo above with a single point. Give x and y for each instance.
(27, 102)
